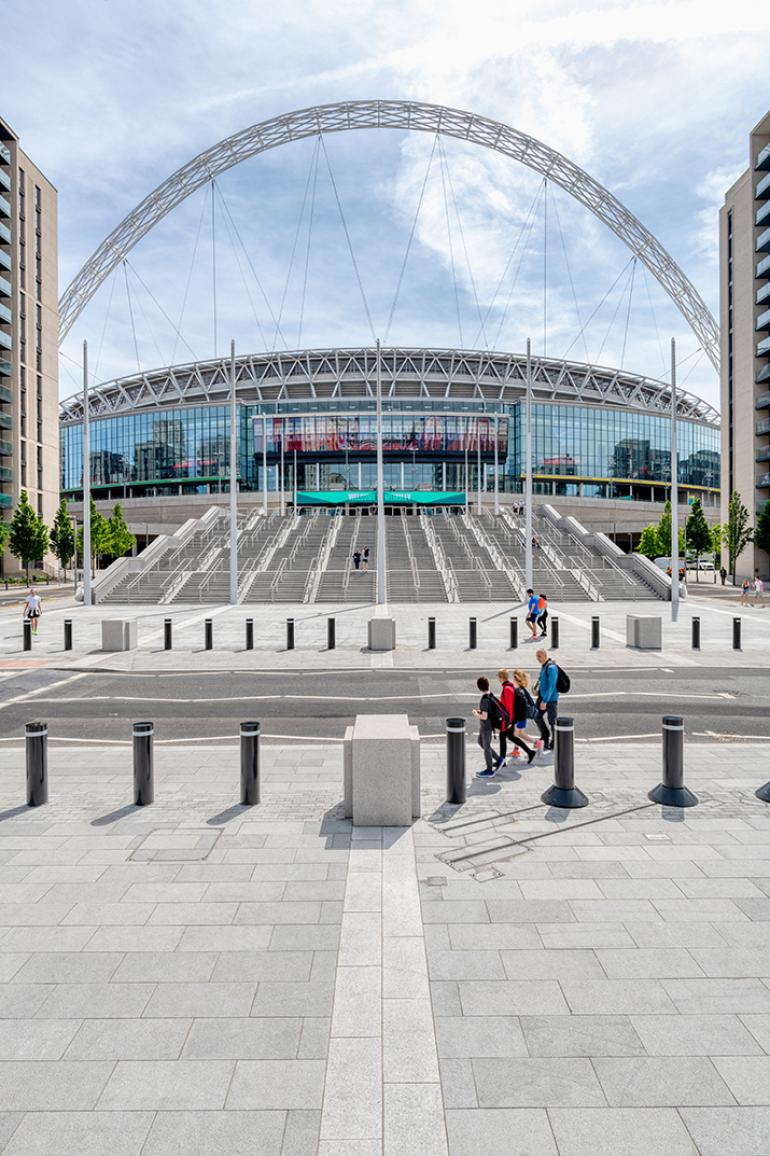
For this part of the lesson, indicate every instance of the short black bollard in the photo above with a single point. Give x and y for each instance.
(331, 633)
(554, 634)
(595, 632)
(764, 793)
(167, 634)
(431, 634)
(289, 633)
(27, 634)
(208, 634)
(564, 793)
(513, 640)
(249, 763)
(455, 760)
(249, 633)
(736, 634)
(68, 634)
(37, 763)
(472, 634)
(696, 633)
(144, 785)
(672, 792)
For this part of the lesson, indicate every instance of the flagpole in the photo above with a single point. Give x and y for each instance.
(528, 474)
(87, 593)
(233, 483)
(674, 493)
(382, 569)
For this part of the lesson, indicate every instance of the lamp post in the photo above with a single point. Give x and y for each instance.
(382, 570)
(86, 485)
(674, 494)
(528, 473)
(233, 483)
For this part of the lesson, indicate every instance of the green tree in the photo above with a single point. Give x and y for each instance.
(121, 538)
(664, 534)
(698, 534)
(736, 532)
(28, 536)
(648, 543)
(100, 536)
(62, 536)
(716, 543)
(762, 529)
(4, 530)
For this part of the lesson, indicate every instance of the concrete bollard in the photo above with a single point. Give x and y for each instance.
(595, 632)
(455, 760)
(208, 634)
(431, 634)
(331, 633)
(250, 732)
(554, 634)
(289, 633)
(696, 633)
(672, 792)
(736, 634)
(513, 640)
(27, 634)
(144, 771)
(36, 734)
(68, 634)
(167, 636)
(564, 793)
(249, 633)
(472, 634)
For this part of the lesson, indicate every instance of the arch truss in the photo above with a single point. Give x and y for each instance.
(345, 116)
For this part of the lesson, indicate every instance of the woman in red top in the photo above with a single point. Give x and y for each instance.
(514, 699)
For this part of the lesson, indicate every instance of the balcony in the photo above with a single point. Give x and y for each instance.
(5, 154)
(5, 394)
(5, 181)
(5, 340)
(6, 449)
(5, 368)
(763, 482)
(763, 188)
(763, 294)
(6, 475)
(762, 427)
(6, 500)
(5, 315)
(5, 207)
(762, 215)
(763, 160)
(762, 244)
(5, 234)
(763, 349)
(762, 324)
(5, 287)
(5, 420)
(763, 455)
(763, 267)
(763, 375)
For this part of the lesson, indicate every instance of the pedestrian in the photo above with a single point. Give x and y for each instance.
(532, 609)
(515, 699)
(365, 559)
(492, 716)
(745, 588)
(33, 608)
(357, 559)
(547, 697)
(535, 543)
(542, 620)
(723, 575)
(759, 591)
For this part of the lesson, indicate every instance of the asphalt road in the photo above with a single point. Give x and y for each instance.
(190, 706)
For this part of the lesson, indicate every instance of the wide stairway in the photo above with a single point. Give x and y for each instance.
(478, 576)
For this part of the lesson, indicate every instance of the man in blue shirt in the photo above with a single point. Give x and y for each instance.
(532, 604)
(547, 697)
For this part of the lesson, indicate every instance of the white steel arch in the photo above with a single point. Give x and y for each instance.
(345, 116)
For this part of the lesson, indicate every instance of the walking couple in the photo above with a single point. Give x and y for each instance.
(510, 713)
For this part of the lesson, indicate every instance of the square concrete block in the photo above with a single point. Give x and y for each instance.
(347, 772)
(382, 634)
(382, 771)
(119, 634)
(644, 632)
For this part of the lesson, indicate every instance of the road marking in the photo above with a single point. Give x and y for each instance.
(263, 697)
(616, 738)
(719, 735)
(37, 694)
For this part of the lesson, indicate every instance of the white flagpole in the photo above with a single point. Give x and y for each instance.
(233, 483)
(674, 493)
(528, 474)
(87, 594)
(382, 570)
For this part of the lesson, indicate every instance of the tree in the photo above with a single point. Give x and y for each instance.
(716, 543)
(736, 532)
(648, 543)
(698, 534)
(62, 536)
(100, 535)
(762, 529)
(4, 530)
(121, 538)
(664, 535)
(28, 536)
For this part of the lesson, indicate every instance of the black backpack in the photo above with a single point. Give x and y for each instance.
(563, 683)
(497, 714)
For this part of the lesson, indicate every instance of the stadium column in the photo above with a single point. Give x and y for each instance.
(233, 483)
(497, 466)
(264, 464)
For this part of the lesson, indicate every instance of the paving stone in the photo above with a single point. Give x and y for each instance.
(300, 1137)
(694, 1035)
(197, 1133)
(352, 1102)
(35, 1040)
(30, 1086)
(617, 996)
(536, 1083)
(131, 939)
(648, 963)
(166, 1085)
(85, 1133)
(266, 1084)
(489, 1132)
(610, 1131)
(551, 964)
(584, 1035)
(293, 999)
(713, 996)
(465, 965)
(191, 1000)
(748, 1078)
(729, 1131)
(490, 936)
(95, 1000)
(493, 1037)
(118, 1039)
(661, 1082)
(414, 1121)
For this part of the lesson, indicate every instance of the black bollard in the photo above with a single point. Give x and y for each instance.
(249, 633)
(289, 633)
(472, 634)
(554, 634)
(736, 634)
(68, 634)
(249, 763)
(764, 793)
(144, 785)
(696, 633)
(167, 634)
(455, 760)
(564, 793)
(27, 634)
(37, 763)
(208, 634)
(513, 640)
(431, 634)
(595, 632)
(672, 792)
(331, 633)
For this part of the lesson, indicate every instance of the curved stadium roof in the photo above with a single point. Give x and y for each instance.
(337, 374)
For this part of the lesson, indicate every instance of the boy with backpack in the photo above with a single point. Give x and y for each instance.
(552, 682)
(492, 716)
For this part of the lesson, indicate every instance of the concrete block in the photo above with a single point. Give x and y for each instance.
(347, 773)
(383, 771)
(382, 634)
(119, 634)
(644, 632)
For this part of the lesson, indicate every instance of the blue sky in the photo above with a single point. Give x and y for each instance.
(654, 99)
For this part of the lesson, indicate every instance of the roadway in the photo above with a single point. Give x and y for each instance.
(189, 706)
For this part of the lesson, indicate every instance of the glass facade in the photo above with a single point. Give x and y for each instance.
(579, 450)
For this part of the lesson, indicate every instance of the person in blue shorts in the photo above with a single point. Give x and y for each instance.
(533, 603)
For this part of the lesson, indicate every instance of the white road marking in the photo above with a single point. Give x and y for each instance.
(264, 698)
(37, 694)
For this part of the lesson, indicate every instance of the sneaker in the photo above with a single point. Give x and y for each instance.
(531, 758)
(485, 774)
(538, 744)
(515, 753)
(500, 763)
